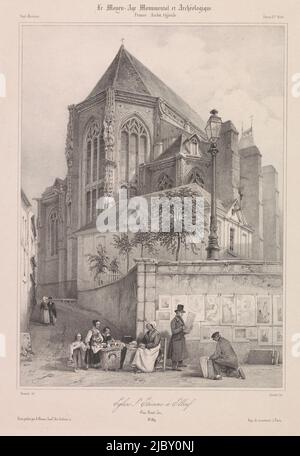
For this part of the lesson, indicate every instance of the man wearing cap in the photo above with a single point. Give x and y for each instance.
(177, 347)
(225, 359)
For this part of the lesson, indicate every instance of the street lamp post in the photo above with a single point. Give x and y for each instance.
(213, 129)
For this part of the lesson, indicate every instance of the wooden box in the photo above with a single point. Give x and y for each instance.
(110, 358)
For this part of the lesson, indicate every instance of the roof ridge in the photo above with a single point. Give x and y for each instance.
(118, 65)
(134, 66)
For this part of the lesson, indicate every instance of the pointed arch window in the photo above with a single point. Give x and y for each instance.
(134, 149)
(164, 182)
(53, 232)
(195, 177)
(94, 169)
(194, 147)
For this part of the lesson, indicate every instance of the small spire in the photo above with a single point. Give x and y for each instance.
(122, 41)
(247, 139)
(251, 120)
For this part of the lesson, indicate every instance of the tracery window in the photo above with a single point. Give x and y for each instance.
(53, 232)
(231, 239)
(134, 149)
(94, 169)
(195, 177)
(164, 182)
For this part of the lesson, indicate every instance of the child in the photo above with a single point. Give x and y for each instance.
(77, 353)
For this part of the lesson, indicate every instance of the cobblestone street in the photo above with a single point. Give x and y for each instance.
(48, 367)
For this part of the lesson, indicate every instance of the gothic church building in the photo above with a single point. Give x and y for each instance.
(134, 132)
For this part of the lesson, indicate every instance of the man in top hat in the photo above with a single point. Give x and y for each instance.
(225, 359)
(177, 348)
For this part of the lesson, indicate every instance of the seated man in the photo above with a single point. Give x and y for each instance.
(225, 359)
(148, 350)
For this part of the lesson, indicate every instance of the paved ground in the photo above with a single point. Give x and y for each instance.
(48, 366)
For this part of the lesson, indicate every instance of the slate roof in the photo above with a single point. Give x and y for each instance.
(129, 74)
(172, 150)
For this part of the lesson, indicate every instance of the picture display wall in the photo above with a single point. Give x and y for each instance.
(238, 317)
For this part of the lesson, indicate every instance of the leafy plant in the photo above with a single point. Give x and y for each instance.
(100, 262)
(174, 240)
(124, 245)
(146, 241)
(114, 266)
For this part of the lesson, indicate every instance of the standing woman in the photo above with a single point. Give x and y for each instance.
(177, 348)
(93, 341)
(44, 311)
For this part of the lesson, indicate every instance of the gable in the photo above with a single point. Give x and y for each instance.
(129, 74)
(236, 214)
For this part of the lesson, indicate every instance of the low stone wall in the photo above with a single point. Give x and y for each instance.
(162, 285)
(115, 301)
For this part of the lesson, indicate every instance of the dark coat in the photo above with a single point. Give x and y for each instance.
(52, 309)
(107, 337)
(177, 347)
(225, 352)
(44, 306)
(151, 339)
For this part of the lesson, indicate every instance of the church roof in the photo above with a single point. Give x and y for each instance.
(129, 74)
(172, 150)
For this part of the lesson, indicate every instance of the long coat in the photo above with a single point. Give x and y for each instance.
(52, 311)
(225, 353)
(177, 347)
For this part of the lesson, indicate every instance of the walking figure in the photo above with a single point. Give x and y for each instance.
(52, 311)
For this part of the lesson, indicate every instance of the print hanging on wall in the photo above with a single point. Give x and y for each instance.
(251, 333)
(164, 302)
(228, 310)
(264, 310)
(277, 335)
(195, 304)
(239, 334)
(265, 335)
(212, 314)
(245, 310)
(277, 310)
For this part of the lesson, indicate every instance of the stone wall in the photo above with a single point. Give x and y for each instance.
(66, 289)
(116, 302)
(256, 285)
(271, 215)
(252, 203)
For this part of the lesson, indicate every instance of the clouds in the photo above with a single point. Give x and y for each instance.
(238, 70)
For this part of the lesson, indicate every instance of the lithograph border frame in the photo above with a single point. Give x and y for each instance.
(21, 25)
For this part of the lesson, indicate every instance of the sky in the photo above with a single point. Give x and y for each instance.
(238, 70)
